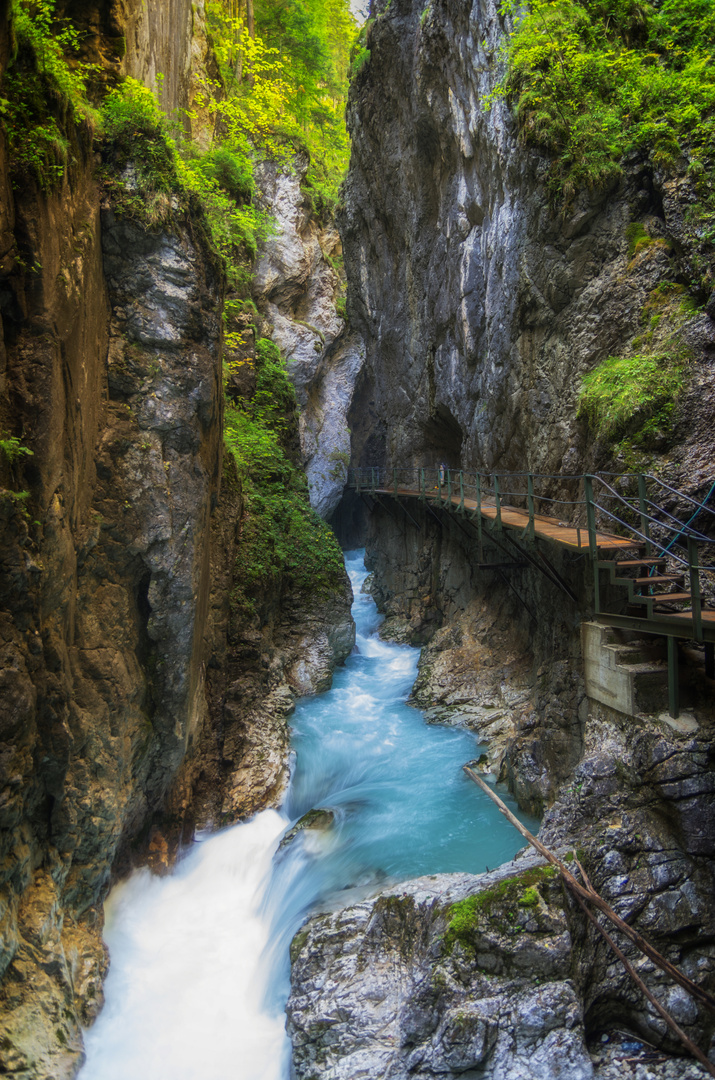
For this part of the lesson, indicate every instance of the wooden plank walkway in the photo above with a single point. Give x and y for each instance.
(547, 528)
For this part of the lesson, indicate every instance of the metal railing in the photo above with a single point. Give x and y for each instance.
(640, 508)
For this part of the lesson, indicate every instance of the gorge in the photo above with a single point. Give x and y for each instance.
(182, 372)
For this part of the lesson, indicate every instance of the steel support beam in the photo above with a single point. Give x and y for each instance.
(673, 681)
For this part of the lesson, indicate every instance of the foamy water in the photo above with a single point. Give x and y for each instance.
(199, 970)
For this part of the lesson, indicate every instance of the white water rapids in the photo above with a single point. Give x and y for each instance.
(199, 960)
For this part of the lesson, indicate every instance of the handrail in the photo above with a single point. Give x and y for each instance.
(658, 532)
(682, 495)
(662, 524)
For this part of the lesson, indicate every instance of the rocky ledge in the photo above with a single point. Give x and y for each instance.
(498, 976)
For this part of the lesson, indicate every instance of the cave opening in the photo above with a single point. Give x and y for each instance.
(442, 439)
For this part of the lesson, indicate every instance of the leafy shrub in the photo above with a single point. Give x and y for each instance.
(361, 58)
(231, 167)
(592, 81)
(12, 448)
(136, 134)
(281, 536)
(44, 100)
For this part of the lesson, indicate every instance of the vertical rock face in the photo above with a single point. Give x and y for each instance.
(427, 1001)
(164, 44)
(160, 459)
(113, 379)
(480, 306)
(296, 287)
(500, 976)
(120, 551)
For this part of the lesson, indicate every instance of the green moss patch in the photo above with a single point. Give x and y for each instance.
(634, 397)
(43, 97)
(497, 906)
(594, 81)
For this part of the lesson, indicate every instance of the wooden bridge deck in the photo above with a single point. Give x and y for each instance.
(511, 517)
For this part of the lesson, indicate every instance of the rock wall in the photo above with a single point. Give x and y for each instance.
(481, 307)
(297, 283)
(480, 304)
(134, 703)
(165, 45)
(113, 382)
(500, 976)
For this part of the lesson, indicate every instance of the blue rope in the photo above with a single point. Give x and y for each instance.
(691, 519)
(685, 526)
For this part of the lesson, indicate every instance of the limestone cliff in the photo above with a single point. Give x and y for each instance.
(297, 285)
(482, 305)
(129, 687)
(480, 302)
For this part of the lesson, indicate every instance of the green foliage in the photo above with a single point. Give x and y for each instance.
(136, 130)
(281, 536)
(285, 88)
(231, 167)
(632, 396)
(12, 448)
(594, 80)
(360, 59)
(529, 897)
(637, 238)
(43, 97)
(223, 180)
(144, 169)
(360, 54)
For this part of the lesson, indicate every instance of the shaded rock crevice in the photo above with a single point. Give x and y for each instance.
(298, 287)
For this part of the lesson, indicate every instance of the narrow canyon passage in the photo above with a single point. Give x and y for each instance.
(199, 960)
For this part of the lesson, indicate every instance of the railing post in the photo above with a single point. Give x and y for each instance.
(497, 499)
(530, 503)
(461, 492)
(372, 479)
(695, 588)
(422, 485)
(394, 481)
(592, 541)
(673, 683)
(643, 504)
(356, 477)
(449, 489)
(480, 550)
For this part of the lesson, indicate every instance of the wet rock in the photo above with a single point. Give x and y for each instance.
(319, 820)
(388, 988)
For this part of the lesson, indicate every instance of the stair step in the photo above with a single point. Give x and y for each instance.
(655, 579)
(640, 562)
(662, 598)
(629, 656)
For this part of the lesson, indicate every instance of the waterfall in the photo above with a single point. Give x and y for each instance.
(200, 970)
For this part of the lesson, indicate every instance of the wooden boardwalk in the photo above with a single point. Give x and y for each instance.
(547, 528)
